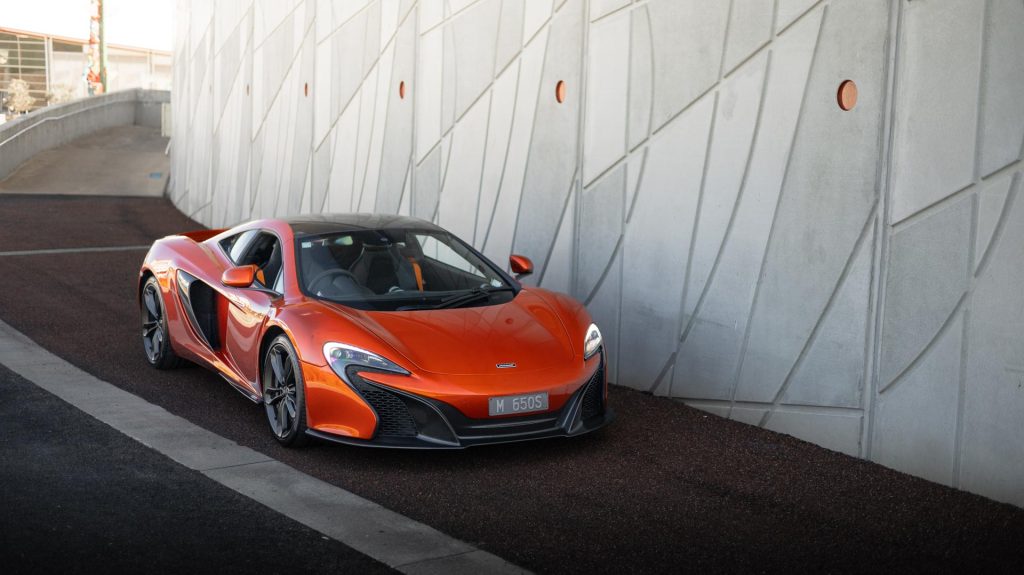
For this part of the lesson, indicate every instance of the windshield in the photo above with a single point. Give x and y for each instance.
(398, 270)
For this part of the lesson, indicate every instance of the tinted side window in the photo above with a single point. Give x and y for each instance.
(279, 283)
(226, 243)
(236, 245)
(265, 254)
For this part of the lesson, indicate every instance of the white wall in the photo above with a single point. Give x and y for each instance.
(849, 277)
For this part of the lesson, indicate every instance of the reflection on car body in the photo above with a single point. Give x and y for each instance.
(374, 330)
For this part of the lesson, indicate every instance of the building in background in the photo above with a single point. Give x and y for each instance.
(54, 67)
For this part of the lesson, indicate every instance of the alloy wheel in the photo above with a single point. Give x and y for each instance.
(279, 391)
(153, 337)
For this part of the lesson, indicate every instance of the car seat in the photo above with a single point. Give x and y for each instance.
(381, 268)
(318, 258)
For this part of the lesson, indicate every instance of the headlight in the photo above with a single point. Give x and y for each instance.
(591, 342)
(340, 356)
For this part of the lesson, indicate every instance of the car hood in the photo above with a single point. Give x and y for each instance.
(525, 331)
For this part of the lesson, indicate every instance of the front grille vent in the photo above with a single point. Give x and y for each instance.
(393, 417)
(593, 397)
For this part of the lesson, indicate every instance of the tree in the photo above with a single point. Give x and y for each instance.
(60, 93)
(19, 100)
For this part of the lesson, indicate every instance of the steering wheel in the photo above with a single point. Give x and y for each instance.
(330, 274)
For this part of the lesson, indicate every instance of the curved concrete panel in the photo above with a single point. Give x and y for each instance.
(746, 245)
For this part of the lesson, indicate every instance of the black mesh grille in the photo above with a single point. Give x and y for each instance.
(394, 419)
(593, 397)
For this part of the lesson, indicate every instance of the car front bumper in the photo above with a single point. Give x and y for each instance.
(409, 421)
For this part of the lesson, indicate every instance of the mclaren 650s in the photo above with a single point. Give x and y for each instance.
(374, 330)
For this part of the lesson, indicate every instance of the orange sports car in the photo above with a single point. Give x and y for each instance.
(374, 330)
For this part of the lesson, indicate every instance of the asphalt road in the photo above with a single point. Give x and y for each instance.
(121, 160)
(79, 497)
(665, 488)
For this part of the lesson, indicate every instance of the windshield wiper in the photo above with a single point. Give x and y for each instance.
(474, 295)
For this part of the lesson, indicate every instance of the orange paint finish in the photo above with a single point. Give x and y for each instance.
(473, 340)
(520, 265)
(452, 355)
(458, 356)
(334, 407)
(240, 277)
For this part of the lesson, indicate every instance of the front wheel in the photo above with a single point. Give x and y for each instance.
(156, 339)
(284, 393)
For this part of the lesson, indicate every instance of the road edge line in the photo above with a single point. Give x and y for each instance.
(384, 535)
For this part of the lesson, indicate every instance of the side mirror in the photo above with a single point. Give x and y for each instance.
(240, 277)
(521, 265)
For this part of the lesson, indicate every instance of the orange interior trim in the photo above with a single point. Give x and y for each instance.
(419, 273)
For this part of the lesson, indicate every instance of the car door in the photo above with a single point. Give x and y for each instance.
(248, 308)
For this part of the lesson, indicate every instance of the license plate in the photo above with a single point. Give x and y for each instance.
(524, 403)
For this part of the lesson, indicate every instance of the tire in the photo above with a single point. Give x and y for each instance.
(284, 393)
(156, 340)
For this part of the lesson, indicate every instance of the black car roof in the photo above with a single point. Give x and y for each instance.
(313, 225)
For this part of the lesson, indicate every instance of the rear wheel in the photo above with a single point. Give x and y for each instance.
(284, 393)
(156, 340)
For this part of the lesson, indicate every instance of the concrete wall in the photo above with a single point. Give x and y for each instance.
(948, 396)
(53, 126)
(848, 277)
(149, 107)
